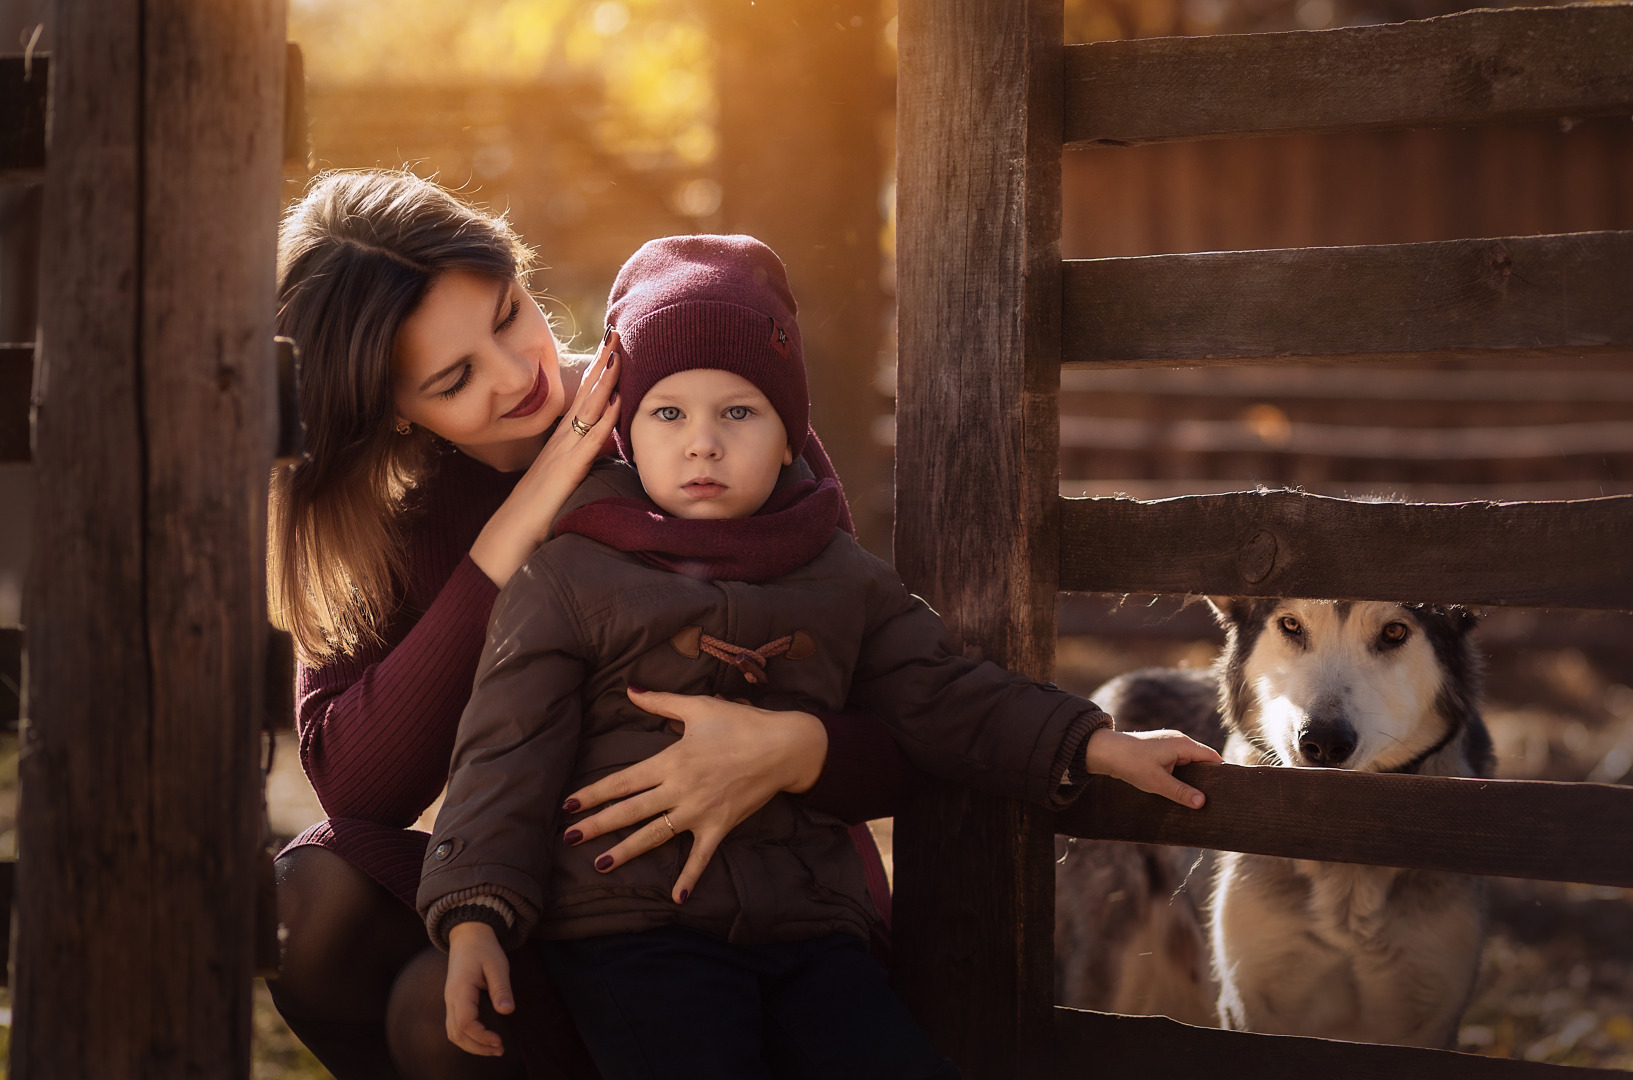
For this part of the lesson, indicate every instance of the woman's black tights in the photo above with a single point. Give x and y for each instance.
(362, 988)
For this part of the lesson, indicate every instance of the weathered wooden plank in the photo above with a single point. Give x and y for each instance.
(1532, 295)
(153, 442)
(1287, 543)
(1353, 384)
(978, 285)
(1457, 69)
(1157, 1048)
(16, 387)
(23, 83)
(1508, 828)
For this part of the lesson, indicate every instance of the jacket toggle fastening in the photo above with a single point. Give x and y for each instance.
(691, 642)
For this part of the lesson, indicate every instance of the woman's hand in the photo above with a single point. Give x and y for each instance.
(1146, 759)
(475, 963)
(523, 521)
(731, 759)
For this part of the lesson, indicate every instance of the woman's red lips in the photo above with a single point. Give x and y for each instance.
(535, 398)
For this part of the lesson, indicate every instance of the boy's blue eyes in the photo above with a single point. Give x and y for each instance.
(672, 412)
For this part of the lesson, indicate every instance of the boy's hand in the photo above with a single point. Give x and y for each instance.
(475, 963)
(1146, 759)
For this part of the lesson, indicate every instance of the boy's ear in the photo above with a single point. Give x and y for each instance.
(787, 454)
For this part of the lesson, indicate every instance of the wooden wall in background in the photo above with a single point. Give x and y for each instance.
(1444, 432)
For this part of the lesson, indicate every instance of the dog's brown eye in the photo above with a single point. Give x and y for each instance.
(1393, 633)
(1291, 625)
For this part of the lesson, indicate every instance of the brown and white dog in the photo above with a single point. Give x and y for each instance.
(1334, 950)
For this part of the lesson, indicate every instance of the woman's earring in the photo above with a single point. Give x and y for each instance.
(404, 427)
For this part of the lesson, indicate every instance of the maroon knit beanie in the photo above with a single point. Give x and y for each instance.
(685, 302)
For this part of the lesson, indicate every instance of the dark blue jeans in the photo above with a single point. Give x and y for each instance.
(676, 1003)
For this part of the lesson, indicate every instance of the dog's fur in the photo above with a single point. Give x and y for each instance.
(1309, 948)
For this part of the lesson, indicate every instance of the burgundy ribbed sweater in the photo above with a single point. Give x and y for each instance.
(377, 727)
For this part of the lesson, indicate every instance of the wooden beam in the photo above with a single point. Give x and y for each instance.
(1552, 296)
(1157, 1048)
(1287, 543)
(1507, 828)
(1457, 69)
(139, 794)
(978, 282)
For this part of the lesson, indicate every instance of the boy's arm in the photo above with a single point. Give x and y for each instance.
(488, 859)
(475, 963)
(978, 724)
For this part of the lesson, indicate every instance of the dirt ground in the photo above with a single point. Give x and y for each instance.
(1556, 982)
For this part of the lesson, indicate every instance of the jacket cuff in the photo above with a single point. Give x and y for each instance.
(1067, 778)
(511, 917)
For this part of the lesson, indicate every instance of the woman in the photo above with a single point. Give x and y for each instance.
(444, 434)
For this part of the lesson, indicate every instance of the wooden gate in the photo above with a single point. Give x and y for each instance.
(988, 98)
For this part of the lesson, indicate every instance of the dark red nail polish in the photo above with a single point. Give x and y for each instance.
(684, 893)
(573, 837)
(637, 689)
(570, 806)
(604, 863)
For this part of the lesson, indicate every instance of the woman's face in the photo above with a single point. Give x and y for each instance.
(476, 364)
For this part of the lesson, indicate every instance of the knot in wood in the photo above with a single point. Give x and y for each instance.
(1500, 262)
(1257, 557)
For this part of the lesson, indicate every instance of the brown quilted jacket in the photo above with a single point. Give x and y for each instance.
(580, 622)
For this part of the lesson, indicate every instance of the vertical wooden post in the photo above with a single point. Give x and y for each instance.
(979, 294)
(145, 614)
(801, 167)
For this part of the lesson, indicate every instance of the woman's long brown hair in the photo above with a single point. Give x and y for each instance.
(356, 256)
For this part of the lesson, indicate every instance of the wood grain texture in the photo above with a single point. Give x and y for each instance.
(154, 438)
(1508, 828)
(1287, 543)
(1546, 295)
(978, 285)
(1457, 69)
(1157, 1048)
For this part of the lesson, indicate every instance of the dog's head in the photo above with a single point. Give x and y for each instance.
(1368, 686)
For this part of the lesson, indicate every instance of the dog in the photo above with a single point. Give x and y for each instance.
(1298, 947)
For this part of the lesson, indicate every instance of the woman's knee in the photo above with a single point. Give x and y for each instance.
(344, 937)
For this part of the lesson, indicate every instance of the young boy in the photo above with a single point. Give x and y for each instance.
(718, 569)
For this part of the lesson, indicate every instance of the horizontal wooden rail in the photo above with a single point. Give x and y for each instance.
(1287, 543)
(16, 386)
(1508, 828)
(1561, 295)
(1457, 69)
(1363, 384)
(1157, 1048)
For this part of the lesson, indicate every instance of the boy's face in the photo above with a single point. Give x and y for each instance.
(708, 444)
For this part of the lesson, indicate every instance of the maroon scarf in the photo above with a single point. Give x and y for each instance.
(790, 530)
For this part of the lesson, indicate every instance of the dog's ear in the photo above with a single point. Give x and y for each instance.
(1222, 607)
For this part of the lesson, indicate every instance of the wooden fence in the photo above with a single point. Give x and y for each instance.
(988, 315)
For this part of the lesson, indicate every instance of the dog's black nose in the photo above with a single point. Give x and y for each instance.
(1327, 743)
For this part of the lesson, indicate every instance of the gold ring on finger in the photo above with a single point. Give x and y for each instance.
(580, 428)
(669, 823)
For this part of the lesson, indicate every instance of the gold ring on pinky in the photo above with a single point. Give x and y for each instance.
(580, 428)
(669, 823)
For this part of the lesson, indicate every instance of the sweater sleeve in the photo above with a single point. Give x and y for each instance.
(377, 728)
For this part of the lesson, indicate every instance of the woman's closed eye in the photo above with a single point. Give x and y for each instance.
(458, 384)
(510, 317)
